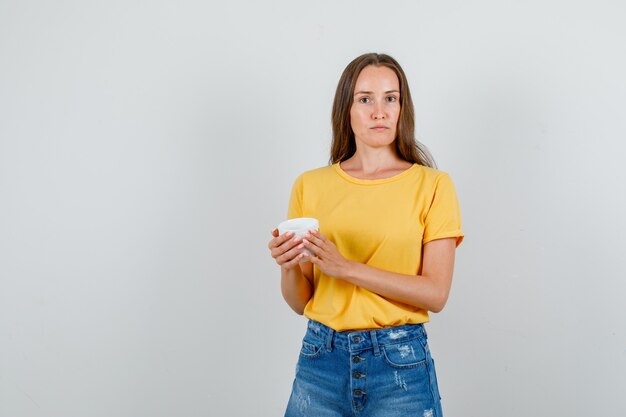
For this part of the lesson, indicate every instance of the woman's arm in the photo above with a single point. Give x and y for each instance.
(297, 289)
(296, 280)
(429, 290)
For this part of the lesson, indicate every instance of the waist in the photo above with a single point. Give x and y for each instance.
(356, 340)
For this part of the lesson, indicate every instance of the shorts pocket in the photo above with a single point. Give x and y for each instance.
(311, 349)
(406, 354)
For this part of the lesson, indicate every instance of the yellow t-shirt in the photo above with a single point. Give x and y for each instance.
(382, 223)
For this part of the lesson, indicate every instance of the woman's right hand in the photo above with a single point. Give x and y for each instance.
(286, 249)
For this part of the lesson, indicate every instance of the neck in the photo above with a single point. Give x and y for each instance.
(369, 161)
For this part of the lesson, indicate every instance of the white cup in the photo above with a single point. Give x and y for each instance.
(300, 227)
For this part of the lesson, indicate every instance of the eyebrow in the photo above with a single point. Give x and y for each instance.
(371, 92)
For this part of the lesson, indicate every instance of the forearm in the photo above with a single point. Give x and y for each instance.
(297, 290)
(416, 290)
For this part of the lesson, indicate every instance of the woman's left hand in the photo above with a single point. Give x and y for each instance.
(326, 255)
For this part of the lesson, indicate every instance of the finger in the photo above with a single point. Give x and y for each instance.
(285, 247)
(272, 242)
(311, 247)
(313, 259)
(318, 234)
(295, 261)
(314, 239)
(290, 254)
(290, 263)
(279, 240)
(285, 237)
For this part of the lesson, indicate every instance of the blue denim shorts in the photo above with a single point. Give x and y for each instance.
(367, 373)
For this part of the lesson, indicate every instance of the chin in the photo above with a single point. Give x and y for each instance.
(380, 143)
(377, 142)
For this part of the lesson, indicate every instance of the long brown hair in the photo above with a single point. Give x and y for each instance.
(343, 145)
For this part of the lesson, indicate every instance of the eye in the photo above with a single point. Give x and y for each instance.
(392, 99)
(364, 100)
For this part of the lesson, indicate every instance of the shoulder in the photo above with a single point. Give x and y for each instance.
(319, 172)
(433, 183)
(431, 175)
(316, 174)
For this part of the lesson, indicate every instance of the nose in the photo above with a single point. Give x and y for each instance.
(378, 112)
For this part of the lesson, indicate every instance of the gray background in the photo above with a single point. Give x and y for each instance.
(147, 148)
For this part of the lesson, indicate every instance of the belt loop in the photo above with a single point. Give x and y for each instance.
(329, 339)
(375, 342)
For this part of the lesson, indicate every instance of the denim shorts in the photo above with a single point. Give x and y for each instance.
(368, 373)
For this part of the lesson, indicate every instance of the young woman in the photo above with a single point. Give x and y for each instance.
(382, 259)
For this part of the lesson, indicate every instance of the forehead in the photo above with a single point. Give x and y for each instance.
(372, 78)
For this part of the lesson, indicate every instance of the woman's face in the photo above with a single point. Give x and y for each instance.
(375, 107)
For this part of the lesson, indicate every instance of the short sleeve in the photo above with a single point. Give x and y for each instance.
(295, 201)
(443, 219)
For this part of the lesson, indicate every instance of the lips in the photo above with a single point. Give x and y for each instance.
(379, 128)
